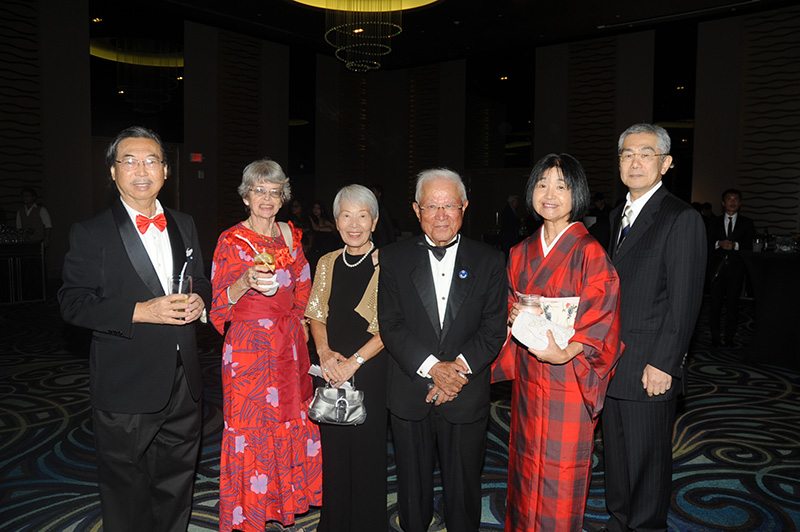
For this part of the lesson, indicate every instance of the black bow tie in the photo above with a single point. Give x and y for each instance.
(438, 251)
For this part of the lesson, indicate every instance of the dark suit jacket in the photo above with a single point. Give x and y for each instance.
(474, 324)
(106, 272)
(661, 267)
(743, 233)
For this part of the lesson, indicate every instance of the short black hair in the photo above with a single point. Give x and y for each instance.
(731, 191)
(134, 132)
(574, 177)
(28, 190)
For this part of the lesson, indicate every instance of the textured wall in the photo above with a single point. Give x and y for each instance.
(768, 162)
(21, 129)
(586, 96)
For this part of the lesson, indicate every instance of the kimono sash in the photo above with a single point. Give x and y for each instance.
(280, 310)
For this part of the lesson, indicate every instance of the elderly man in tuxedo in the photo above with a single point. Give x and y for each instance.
(727, 236)
(442, 314)
(145, 380)
(658, 246)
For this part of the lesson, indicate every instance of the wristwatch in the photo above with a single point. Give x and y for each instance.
(359, 358)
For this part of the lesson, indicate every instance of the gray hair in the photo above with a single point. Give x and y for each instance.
(663, 142)
(133, 132)
(357, 195)
(261, 171)
(426, 176)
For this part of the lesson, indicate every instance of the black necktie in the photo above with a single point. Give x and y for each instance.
(730, 225)
(438, 251)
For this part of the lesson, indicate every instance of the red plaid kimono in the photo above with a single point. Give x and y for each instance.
(554, 408)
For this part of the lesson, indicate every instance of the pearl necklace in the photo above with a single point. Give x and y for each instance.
(359, 261)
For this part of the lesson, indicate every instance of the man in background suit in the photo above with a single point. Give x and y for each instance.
(659, 251)
(442, 312)
(145, 380)
(727, 236)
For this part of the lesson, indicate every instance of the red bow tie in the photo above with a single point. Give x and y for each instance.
(143, 222)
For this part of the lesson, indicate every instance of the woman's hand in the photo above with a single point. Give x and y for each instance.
(552, 354)
(261, 279)
(330, 362)
(513, 313)
(349, 368)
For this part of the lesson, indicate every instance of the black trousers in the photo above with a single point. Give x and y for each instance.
(726, 288)
(146, 464)
(460, 449)
(637, 442)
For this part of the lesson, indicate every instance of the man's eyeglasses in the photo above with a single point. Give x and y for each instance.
(131, 163)
(433, 209)
(644, 157)
(263, 191)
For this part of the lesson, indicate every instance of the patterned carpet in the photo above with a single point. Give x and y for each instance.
(737, 440)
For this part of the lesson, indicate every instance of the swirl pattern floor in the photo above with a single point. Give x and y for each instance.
(736, 445)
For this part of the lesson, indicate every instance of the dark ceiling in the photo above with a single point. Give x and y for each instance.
(497, 37)
(446, 29)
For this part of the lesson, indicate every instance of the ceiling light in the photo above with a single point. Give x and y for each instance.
(361, 30)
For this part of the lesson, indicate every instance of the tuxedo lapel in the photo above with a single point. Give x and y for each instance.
(137, 255)
(179, 257)
(422, 278)
(642, 223)
(460, 286)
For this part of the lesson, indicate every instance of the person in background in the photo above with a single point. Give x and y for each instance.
(601, 229)
(299, 218)
(658, 246)
(271, 464)
(510, 224)
(385, 232)
(558, 394)
(34, 217)
(728, 235)
(343, 314)
(325, 237)
(144, 373)
(320, 221)
(442, 315)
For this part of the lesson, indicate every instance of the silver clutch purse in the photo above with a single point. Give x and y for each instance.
(337, 406)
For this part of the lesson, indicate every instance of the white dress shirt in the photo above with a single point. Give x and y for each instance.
(157, 245)
(638, 205)
(732, 217)
(442, 271)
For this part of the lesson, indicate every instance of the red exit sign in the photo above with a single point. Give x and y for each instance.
(196, 157)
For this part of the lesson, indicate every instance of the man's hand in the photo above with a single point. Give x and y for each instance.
(449, 377)
(195, 308)
(727, 244)
(655, 381)
(437, 396)
(172, 309)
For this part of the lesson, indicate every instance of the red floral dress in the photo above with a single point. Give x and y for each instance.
(271, 464)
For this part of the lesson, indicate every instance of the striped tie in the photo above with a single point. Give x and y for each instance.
(626, 225)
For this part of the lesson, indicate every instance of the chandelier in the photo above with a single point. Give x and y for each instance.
(361, 30)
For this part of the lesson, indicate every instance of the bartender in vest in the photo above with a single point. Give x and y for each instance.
(34, 217)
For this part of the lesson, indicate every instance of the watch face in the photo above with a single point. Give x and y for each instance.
(359, 359)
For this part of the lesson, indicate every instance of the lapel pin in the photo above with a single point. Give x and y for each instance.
(463, 274)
